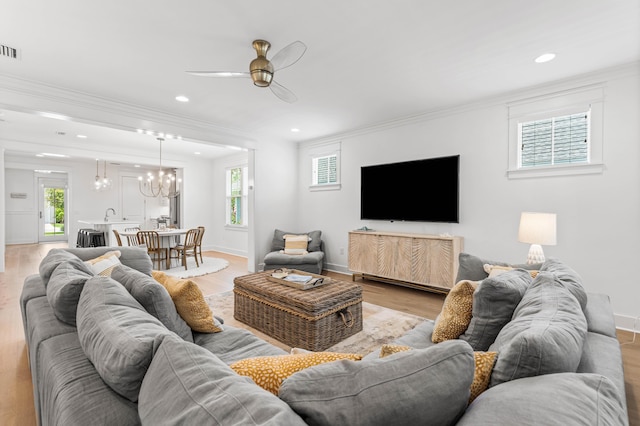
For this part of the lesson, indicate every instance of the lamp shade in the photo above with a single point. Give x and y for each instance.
(537, 228)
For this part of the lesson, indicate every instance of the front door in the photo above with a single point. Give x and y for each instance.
(52, 212)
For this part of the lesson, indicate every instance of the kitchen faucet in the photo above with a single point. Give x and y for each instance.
(106, 214)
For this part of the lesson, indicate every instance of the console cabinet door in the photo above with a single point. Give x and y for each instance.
(363, 253)
(394, 257)
(433, 262)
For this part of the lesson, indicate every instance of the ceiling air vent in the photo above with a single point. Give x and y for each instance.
(9, 52)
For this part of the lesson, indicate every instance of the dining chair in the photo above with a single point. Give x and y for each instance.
(118, 239)
(188, 248)
(159, 254)
(199, 242)
(132, 240)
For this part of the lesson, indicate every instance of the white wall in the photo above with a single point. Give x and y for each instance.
(598, 215)
(275, 196)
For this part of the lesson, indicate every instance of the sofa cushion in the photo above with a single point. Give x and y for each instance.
(482, 373)
(54, 258)
(494, 301)
(235, 344)
(456, 312)
(117, 334)
(186, 384)
(471, 267)
(104, 264)
(568, 277)
(268, 372)
(315, 240)
(64, 288)
(154, 298)
(545, 336)
(72, 392)
(275, 257)
(190, 303)
(413, 387)
(134, 257)
(552, 399)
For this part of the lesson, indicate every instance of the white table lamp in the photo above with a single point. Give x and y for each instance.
(537, 229)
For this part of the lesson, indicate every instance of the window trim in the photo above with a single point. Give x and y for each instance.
(321, 151)
(589, 98)
(244, 196)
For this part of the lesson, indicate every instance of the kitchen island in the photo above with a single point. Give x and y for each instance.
(107, 226)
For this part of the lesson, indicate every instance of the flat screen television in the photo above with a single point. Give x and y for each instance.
(424, 190)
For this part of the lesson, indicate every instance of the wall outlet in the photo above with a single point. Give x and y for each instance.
(342, 250)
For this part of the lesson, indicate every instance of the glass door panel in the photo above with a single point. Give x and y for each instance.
(52, 210)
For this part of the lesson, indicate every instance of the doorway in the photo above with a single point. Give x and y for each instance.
(52, 213)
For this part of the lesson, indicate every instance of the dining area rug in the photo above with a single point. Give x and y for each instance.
(207, 266)
(380, 325)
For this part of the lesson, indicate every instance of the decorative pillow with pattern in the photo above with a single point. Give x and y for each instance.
(103, 265)
(190, 303)
(268, 372)
(482, 374)
(390, 349)
(456, 312)
(296, 244)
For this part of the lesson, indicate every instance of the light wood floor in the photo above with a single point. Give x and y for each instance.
(16, 397)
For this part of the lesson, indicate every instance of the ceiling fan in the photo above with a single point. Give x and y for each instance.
(262, 71)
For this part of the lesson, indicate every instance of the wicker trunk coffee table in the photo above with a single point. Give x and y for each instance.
(312, 319)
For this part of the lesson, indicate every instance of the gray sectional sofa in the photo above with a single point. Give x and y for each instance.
(114, 351)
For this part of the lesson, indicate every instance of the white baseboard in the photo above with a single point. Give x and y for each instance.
(227, 250)
(627, 323)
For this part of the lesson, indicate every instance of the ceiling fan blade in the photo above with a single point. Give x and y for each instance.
(289, 55)
(282, 92)
(226, 74)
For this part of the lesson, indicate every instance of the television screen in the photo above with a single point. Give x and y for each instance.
(419, 190)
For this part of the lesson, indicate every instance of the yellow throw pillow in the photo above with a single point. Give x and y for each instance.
(189, 301)
(389, 349)
(495, 270)
(268, 372)
(456, 312)
(482, 374)
(296, 244)
(103, 265)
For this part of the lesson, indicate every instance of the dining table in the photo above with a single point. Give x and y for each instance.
(168, 237)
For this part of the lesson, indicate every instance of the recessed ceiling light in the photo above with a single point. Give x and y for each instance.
(81, 136)
(295, 130)
(545, 58)
(197, 153)
(182, 98)
(53, 115)
(136, 165)
(48, 154)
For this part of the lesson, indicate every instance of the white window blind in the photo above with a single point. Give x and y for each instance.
(555, 141)
(325, 170)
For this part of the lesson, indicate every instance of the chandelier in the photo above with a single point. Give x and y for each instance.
(161, 184)
(104, 183)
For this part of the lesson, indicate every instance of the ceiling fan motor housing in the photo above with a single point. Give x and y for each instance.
(261, 68)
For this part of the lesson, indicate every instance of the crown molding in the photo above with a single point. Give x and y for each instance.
(593, 78)
(27, 96)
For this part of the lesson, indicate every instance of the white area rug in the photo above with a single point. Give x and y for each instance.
(379, 325)
(209, 265)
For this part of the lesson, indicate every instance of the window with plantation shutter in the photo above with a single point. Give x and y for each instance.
(325, 170)
(325, 166)
(557, 134)
(556, 140)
